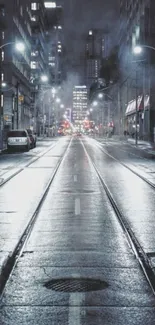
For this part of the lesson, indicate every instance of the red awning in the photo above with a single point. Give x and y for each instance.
(143, 103)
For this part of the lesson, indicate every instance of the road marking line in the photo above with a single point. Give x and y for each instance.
(77, 206)
(75, 302)
(75, 178)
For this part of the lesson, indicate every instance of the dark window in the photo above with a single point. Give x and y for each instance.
(18, 134)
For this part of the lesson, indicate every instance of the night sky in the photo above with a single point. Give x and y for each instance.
(79, 17)
(82, 15)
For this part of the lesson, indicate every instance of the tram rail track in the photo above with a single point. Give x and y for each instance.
(136, 247)
(4, 181)
(11, 261)
(152, 185)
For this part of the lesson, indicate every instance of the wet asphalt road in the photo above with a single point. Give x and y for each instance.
(77, 240)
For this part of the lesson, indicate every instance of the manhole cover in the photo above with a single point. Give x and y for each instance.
(76, 285)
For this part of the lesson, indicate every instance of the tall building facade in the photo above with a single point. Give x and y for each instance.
(137, 100)
(80, 104)
(56, 42)
(39, 62)
(94, 52)
(15, 66)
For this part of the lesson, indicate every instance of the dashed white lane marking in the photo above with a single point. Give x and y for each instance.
(75, 302)
(75, 178)
(77, 206)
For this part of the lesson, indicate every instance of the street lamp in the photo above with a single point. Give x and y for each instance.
(139, 48)
(20, 46)
(44, 78)
(3, 84)
(100, 95)
(58, 100)
(95, 103)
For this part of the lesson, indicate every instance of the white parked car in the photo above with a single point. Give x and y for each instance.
(18, 139)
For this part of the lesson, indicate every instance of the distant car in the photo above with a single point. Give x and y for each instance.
(18, 139)
(33, 138)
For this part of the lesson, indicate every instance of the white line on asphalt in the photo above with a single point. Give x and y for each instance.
(77, 206)
(75, 302)
(75, 178)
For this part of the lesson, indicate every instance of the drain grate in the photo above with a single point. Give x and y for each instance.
(76, 285)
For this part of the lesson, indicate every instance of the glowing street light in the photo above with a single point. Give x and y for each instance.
(95, 103)
(62, 106)
(100, 95)
(19, 46)
(57, 100)
(3, 84)
(44, 78)
(53, 91)
(137, 49)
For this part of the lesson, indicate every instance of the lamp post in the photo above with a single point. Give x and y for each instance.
(139, 48)
(19, 46)
(43, 79)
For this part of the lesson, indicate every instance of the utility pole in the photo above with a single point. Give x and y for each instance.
(17, 107)
(136, 119)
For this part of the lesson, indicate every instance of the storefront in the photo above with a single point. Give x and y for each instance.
(141, 108)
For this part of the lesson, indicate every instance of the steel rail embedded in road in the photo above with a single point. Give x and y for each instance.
(127, 167)
(12, 259)
(3, 182)
(133, 241)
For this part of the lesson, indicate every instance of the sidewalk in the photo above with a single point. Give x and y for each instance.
(143, 146)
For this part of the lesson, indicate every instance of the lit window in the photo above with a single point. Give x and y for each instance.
(50, 4)
(2, 55)
(33, 18)
(52, 64)
(2, 100)
(33, 64)
(35, 53)
(34, 6)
